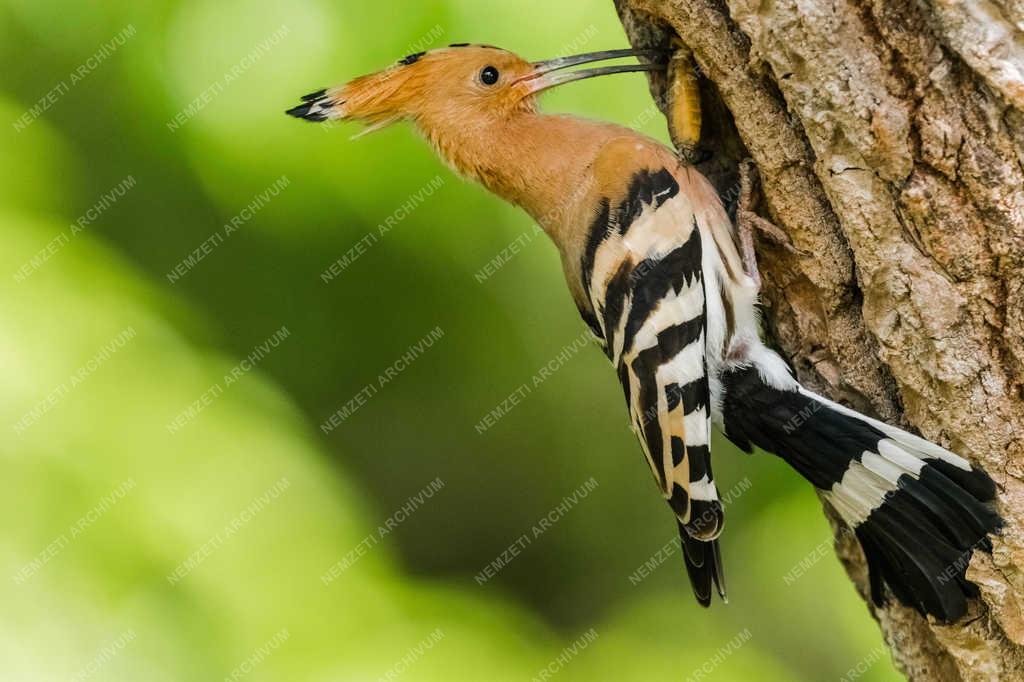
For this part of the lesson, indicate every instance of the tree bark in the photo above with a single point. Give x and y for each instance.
(889, 138)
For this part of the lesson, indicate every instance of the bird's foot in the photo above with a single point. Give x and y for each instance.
(747, 221)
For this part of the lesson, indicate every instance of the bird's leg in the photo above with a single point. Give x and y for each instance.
(747, 221)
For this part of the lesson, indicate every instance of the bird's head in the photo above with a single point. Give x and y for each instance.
(477, 105)
(456, 90)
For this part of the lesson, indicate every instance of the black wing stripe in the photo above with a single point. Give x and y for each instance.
(699, 462)
(645, 187)
(653, 279)
(678, 450)
(614, 305)
(671, 342)
(694, 395)
(591, 321)
(645, 366)
(680, 501)
(598, 233)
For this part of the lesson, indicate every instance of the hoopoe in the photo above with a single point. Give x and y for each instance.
(652, 262)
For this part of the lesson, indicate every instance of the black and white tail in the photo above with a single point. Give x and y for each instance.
(918, 510)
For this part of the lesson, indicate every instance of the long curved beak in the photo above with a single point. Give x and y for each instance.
(544, 75)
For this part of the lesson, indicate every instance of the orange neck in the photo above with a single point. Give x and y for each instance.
(536, 161)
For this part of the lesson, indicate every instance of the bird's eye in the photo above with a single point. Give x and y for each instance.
(489, 76)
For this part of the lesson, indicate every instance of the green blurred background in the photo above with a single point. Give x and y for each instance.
(142, 542)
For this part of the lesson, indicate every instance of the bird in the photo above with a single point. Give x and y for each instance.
(669, 290)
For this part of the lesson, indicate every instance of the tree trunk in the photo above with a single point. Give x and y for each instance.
(889, 138)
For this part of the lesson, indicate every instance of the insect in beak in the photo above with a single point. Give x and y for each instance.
(545, 74)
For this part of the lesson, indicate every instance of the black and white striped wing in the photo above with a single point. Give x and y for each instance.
(642, 272)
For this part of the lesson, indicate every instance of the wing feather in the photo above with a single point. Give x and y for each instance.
(654, 233)
(642, 273)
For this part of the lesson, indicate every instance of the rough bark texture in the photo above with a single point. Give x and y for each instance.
(889, 137)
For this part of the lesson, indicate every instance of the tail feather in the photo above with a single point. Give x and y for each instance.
(918, 509)
(941, 513)
(718, 575)
(916, 560)
(975, 480)
(703, 561)
(980, 519)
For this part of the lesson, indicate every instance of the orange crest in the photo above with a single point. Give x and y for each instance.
(457, 86)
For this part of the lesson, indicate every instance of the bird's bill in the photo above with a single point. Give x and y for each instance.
(546, 74)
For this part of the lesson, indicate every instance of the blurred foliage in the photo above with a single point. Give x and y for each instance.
(133, 498)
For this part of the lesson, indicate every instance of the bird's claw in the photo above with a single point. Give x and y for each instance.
(747, 221)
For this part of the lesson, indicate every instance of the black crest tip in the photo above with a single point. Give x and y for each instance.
(314, 95)
(300, 111)
(411, 59)
(304, 111)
